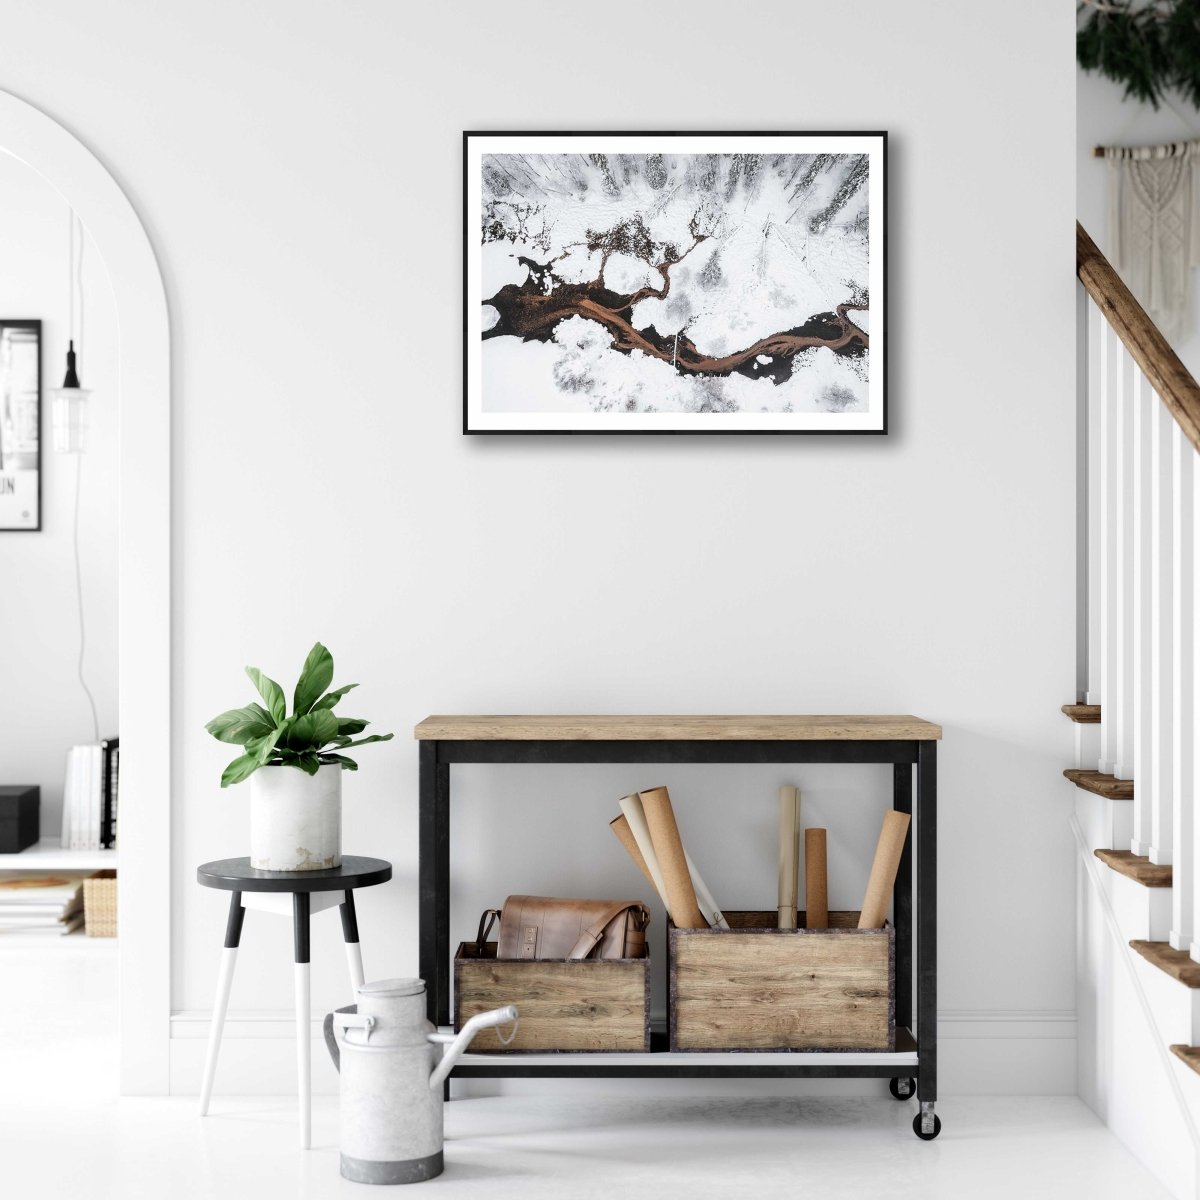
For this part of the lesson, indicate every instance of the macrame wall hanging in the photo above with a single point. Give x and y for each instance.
(1154, 225)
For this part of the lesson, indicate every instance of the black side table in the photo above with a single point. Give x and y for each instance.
(311, 891)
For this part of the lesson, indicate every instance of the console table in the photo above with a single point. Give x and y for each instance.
(902, 742)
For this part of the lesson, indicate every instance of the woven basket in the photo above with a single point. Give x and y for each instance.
(100, 904)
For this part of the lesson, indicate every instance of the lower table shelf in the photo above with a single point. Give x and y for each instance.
(663, 1063)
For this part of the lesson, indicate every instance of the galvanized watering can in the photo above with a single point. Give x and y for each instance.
(392, 1067)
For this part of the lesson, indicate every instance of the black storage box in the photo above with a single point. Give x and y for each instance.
(19, 816)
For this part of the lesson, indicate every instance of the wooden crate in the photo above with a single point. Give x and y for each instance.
(756, 987)
(593, 1005)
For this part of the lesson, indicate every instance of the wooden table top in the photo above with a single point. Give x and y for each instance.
(855, 728)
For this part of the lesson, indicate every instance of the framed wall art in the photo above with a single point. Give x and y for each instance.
(675, 283)
(20, 425)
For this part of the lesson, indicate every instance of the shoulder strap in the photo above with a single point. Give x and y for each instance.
(485, 927)
(595, 931)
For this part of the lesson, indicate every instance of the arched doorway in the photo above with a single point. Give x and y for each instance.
(144, 577)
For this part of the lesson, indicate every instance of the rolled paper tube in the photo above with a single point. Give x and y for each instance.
(816, 880)
(620, 826)
(632, 824)
(704, 898)
(672, 862)
(789, 853)
(883, 870)
(635, 819)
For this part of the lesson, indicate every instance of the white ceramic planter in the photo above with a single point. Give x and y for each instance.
(296, 819)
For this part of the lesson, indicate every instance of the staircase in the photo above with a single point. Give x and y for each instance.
(1135, 721)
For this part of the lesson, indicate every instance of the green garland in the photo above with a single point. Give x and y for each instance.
(1150, 48)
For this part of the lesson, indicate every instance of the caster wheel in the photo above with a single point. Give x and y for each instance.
(902, 1089)
(927, 1137)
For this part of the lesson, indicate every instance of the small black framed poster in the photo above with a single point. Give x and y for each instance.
(675, 282)
(20, 425)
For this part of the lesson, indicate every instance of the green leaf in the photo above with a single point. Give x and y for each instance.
(241, 768)
(271, 692)
(315, 676)
(310, 731)
(351, 725)
(309, 763)
(331, 698)
(348, 764)
(375, 737)
(241, 725)
(263, 748)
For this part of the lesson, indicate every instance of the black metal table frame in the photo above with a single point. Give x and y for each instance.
(436, 758)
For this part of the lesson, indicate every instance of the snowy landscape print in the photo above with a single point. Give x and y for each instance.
(652, 285)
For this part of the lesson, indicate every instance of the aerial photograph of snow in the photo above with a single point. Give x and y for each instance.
(675, 283)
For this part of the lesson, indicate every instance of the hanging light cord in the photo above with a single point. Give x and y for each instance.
(87, 691)
(75, 273)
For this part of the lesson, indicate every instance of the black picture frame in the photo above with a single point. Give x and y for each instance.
(877, 346)
(20, 457)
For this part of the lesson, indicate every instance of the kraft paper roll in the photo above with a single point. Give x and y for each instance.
(633, 822)
(704, 898)
(816, 880)
(883, 870)
(672, 862)
(789, 854)
(635, 818)
(620, 826)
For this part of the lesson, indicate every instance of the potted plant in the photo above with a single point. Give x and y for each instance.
(294, 764)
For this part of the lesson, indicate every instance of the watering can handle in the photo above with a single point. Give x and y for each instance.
(331, 1042)
(343, 1017)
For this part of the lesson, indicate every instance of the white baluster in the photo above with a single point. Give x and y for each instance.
(1123, 617)
(1183, 730)
(1145, 406)
(1095, 343)
(1192, 676)
(1159, 759)
(1109, 524)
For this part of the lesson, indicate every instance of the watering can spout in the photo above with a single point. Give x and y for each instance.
(454, 1051)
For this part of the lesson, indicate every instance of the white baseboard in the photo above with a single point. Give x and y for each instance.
(1017, 1052)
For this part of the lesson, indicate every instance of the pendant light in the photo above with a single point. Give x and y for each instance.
(69, 403)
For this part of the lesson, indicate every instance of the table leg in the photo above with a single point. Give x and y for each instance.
(233, 935)
(434, 884)
(902, 901)
(927, 932)
(442, 799)
(353, 947)
(300, 911)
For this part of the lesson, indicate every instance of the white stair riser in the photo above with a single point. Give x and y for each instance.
(1087, 746)
(1107, 824)
(1176, 1007)
(1143, 913)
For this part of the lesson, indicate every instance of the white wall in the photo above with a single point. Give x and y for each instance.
(298, 166)
(43, 710)
(1104, 118)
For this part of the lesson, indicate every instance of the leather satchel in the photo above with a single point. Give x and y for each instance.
(543, 927)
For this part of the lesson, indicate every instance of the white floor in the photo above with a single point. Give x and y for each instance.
(527, 1148)
(64, 1136)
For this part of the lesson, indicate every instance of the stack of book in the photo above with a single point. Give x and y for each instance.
(41, 902)
(90, 792)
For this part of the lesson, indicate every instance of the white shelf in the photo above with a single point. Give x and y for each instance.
(798, 1058)
(61, 941)
(48, 855)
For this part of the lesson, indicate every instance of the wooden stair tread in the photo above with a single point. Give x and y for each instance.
(1108, 786)
(1189, 1055)
(1083, 714)
(1136, 867)
(1176, 963)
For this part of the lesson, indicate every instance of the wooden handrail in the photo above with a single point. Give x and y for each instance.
(1173, 382)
